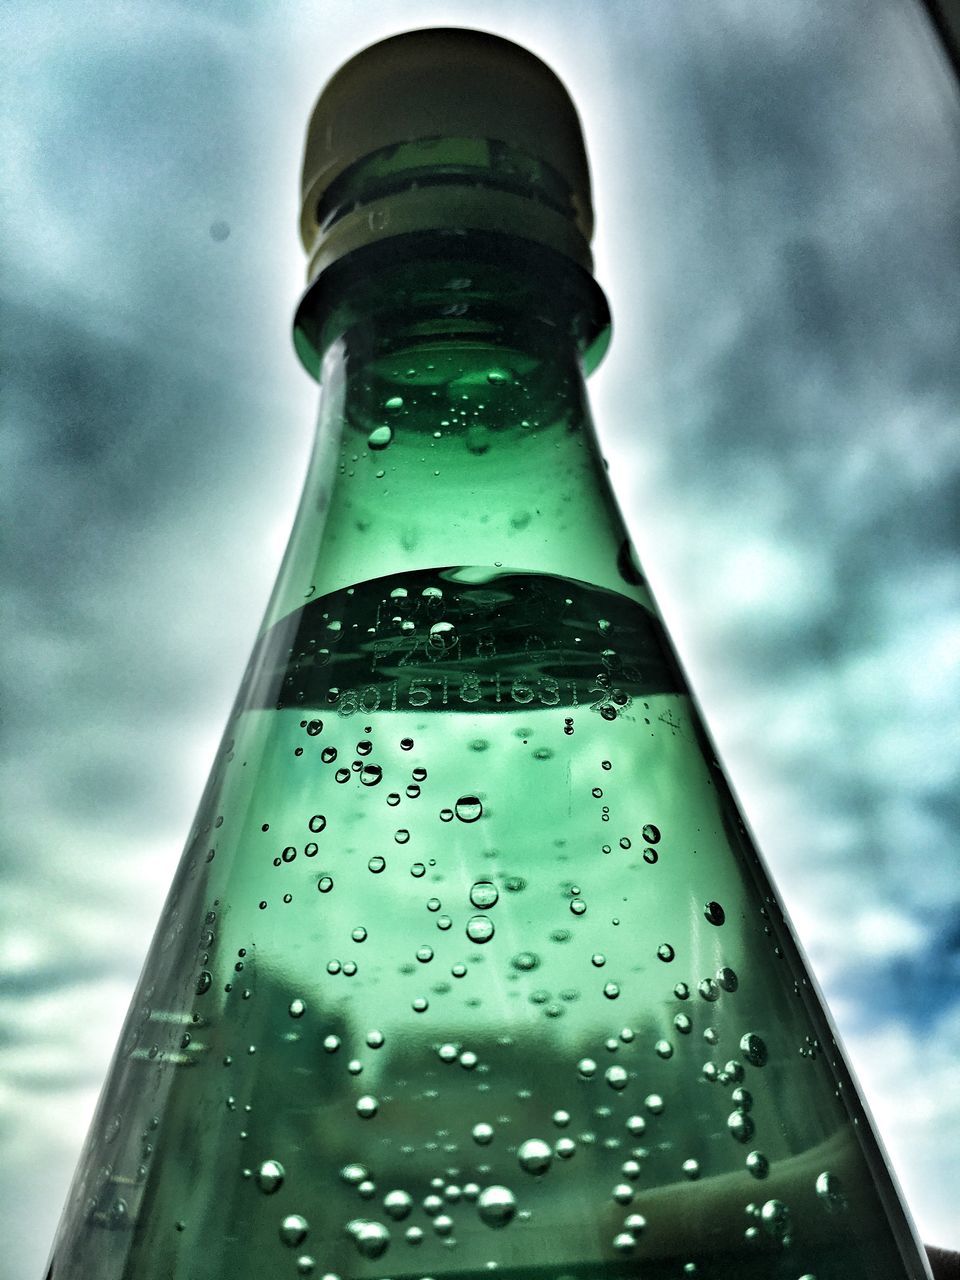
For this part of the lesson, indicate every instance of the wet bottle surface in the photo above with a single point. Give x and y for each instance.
(470, 966)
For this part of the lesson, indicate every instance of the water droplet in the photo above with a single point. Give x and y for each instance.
(468, 808)
(297, 1009)
(434, 904)
(654, 1103)
(371, 1238)
(496, 1206)
(367, 1107)
(325, 884)
(370, 775)
(681, 991)
(624, 1242)
(204, 981)
(578, 906)
(402, 836)
(587, 1068)
(270, 1176)
(420, 1005)
(650, 833)
(665, 952)
(709, 990)
(424, 954)
(758, 1164)
(691, 1169)
(376, 864)
(307, 1265)
(398, 1205)
(331, 1043)
(636, 1125)
(611, 990)
(565, 1148)
(714, 913)
(728, 979)
(616, 1077)
(479, 928)
(753, 1049)
(535, 1156)
(598, 959)
(482, 1134)
(446, 815)
(379, 438)
(328, 755)
(525, 961)
(663, 1049)
(623, 1193)
(375, 1039)
(484, 894)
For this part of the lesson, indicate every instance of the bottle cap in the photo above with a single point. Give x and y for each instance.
(459, 130)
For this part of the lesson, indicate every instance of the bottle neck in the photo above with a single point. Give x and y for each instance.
(454, 428)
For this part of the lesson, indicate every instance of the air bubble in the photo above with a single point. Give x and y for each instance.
(758, 1164)
(379, 438)
(535, 1156)
(371, 1238)
(270, 1176)
(496, 1206)
(616, 1077)
(293, 1230)
(484, 894)
(398, 1205)
(740, 1126)
(468, 808)
(479, 928)
(754, 1049)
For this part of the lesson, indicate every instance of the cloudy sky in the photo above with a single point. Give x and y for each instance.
(777, 187)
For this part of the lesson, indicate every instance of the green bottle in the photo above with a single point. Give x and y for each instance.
(470, 966)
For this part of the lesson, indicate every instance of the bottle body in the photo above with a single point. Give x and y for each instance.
(471, 964)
